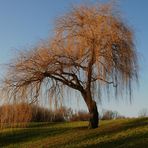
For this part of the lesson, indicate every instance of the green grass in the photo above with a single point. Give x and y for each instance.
(123, 133)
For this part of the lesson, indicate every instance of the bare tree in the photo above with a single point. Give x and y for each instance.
(109, 115)
(143, 112)
(92, 48)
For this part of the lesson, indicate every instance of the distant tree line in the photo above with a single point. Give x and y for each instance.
(23, 113)
(109, 115)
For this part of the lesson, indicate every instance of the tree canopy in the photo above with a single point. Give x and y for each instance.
(92, 48)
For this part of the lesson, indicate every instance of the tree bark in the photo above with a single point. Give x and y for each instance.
(92, 107)
(94, 116)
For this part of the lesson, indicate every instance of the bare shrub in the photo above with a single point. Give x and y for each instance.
(20, 114)
(109, 115)
(40, 114)
(15, 114)
(80, 116)
(62, 114)
(143, 112)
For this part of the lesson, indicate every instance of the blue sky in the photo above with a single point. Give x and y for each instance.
(23, 23)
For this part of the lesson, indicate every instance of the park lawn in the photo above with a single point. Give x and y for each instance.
(121, 133)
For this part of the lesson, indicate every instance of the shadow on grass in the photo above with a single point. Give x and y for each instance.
(134, 141)
(28, 134)
(43, 130)
(115, 128)
(43, 124)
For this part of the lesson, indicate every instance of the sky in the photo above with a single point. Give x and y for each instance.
(24, 23)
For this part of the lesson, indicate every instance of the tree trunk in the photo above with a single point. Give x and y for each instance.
(92, 107)
(94, 117)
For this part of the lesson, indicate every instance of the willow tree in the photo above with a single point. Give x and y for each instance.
(92, 48)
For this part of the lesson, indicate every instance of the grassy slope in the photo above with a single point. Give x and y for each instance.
(116, 133)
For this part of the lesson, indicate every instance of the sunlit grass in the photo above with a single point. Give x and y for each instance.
(113, 133)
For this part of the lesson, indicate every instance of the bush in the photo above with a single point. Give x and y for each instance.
(62, 114)
(14, 114)
(40, 114)
(143, 113)
(21, 114)
(80, 116)
(109, 115)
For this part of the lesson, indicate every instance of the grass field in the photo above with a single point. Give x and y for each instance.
(123, 133)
